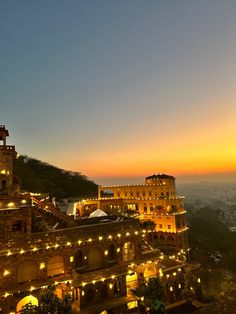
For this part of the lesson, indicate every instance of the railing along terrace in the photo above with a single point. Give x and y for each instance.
(72, 236)
(14, 202)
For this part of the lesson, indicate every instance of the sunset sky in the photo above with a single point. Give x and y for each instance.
(119, 90)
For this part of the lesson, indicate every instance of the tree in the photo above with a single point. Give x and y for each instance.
(151, 295)
(190, 284)
(50, 303)
(148, 225)
(40, 177)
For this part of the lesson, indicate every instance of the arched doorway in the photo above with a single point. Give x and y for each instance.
(131, 281)
(27, 271)
(26, 300)
(128, 252)
(95, 258)
(55, 266)
(150, 271)
(61, 290)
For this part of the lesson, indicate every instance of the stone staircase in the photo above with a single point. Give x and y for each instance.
(53, 216)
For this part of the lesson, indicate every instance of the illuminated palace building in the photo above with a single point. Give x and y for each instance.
(97, 260)
(155, 200)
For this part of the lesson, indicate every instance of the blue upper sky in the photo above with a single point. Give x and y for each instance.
(116, 88)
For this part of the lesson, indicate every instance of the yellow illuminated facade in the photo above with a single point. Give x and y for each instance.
(155, 200)
(97, 260)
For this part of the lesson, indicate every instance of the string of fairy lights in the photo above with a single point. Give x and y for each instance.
(80, 242)
(10, 252)
(102, 279)
(68, 243)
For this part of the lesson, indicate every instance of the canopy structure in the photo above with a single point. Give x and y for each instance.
(97, 213)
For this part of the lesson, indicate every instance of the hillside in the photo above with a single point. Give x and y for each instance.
(38, 176)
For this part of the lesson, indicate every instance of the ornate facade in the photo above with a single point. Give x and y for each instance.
(155, 200)
(97, 260)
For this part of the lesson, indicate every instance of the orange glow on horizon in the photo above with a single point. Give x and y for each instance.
(179, 149)
(195, 156)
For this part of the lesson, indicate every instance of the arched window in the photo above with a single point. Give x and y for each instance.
(155, 236)
(145, 209)
(112, 252)
(27, 271)
(128, 252)
(79, 259)
(162, 238)
(150, 271)
(95, 258)
(55, 266)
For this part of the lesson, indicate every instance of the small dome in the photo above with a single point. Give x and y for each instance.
(97, 213)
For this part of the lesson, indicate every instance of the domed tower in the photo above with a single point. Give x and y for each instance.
(164, 183)
(7, 155)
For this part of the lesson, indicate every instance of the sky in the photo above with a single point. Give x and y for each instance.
(119, 90)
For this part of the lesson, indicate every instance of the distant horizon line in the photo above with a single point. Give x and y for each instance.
(214, 176)
(220, 177)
